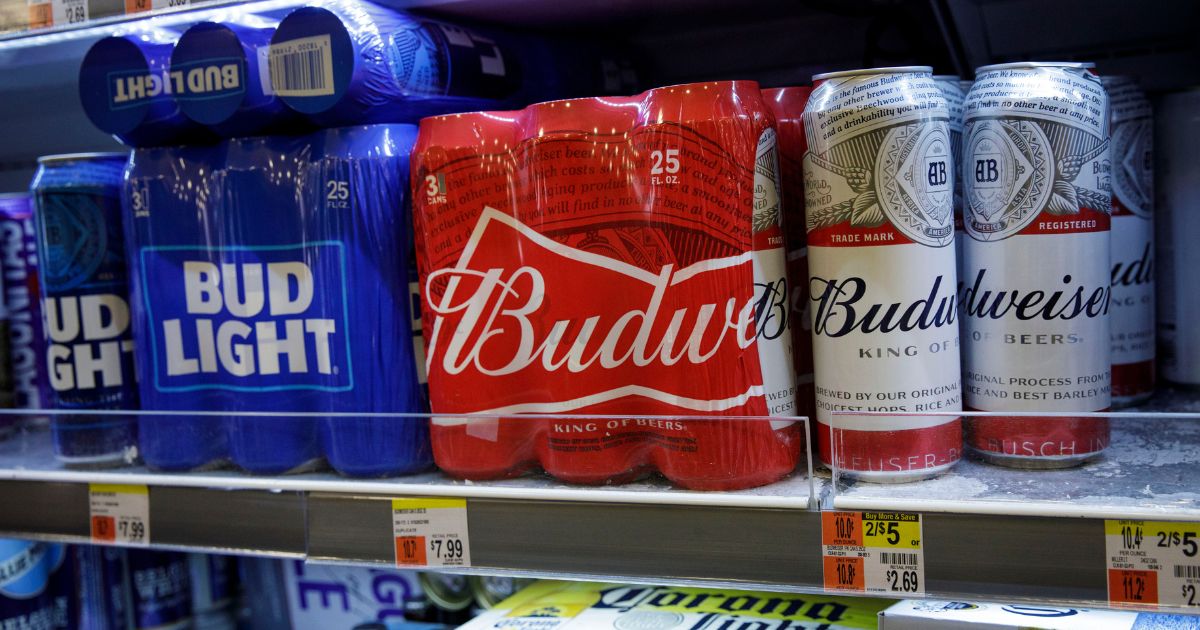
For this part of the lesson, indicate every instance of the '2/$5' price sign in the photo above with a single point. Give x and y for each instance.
(1153, 563)
(873, 552)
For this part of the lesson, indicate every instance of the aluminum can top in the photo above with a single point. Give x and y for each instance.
(885, 70)
(1016, 65)
(65, 158)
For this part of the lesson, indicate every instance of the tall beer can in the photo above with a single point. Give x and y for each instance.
(1035, 296)
(22, 302)
(1177, 134)
(1132, 310)
(85, 299)
(954, 93)
(879, 199)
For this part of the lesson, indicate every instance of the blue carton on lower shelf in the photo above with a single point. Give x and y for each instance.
(272, 275)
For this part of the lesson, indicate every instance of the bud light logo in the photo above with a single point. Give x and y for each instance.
(250, 319)
(90, 345)
(208, 79)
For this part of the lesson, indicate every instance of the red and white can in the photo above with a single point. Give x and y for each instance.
(879, 195)
(1132, 312)
(1036, 287)
(787, 105)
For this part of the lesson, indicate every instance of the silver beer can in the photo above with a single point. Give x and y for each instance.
(1132, 311)
(952, 90)
(879, 204)
(1036, 286)
(1177, 169)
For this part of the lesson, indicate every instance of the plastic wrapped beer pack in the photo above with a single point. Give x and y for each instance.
(270, 274)
(608, 256)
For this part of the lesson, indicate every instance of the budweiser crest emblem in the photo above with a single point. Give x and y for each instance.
(916, 182)
(1133, 172)
(1010, 180)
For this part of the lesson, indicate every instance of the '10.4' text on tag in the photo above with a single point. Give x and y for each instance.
(431, 532)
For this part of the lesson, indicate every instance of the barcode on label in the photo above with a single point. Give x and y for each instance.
(892, 557)
(302, 67)
(1189, 571)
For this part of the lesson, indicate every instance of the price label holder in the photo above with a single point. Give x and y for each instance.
(1153, 563)
(431, 532)
(877, 553)
(119, 514)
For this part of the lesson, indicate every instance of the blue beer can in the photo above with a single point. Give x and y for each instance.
(214, 582)
(225, 83)
(100, 587)
(26, 598)
(160, 589)
(89, 349)
(167, 188)
(127, 88)
(22, 301)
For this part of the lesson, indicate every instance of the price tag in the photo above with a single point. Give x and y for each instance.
(141, 6)
(119, 514)
(873, 552)
(1153, 563)
(431, 532)
(41, 13)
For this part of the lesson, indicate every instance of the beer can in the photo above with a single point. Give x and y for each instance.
(26, 571)
(89, 353)
(952, 90)
(879, 202)
(159, 586)
(1131, 314)
(1036, 287)
(1177, 134)
(22, 301)
(787, 105)
(101, 588)
(224, 80)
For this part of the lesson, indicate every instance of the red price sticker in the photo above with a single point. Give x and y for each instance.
(104, 529)
(873, 552)
(410, 551)
(1127, 586)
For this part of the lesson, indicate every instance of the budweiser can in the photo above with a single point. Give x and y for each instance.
(954, 93)
(1177, 127)
(879, 198)
(1132, 310)
(787, 105)
(611, 256)
(1035, 296)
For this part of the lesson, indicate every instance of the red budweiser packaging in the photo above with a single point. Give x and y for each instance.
(619, 257)
(787, 105)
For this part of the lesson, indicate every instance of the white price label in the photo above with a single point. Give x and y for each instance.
(1153, 563)
(431, 532)
(120, 514)
(873, 552)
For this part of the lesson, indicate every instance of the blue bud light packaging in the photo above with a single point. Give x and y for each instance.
(159, 589)
(214, 589)
(22, 301)
(89, 353)
(127, 88)
(101, 589)
(272, 275)
(345, 62)
(26, 571)
(225, 84)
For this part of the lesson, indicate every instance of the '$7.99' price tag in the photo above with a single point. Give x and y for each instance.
(120, 514)
(1153, 563)
(873, 552)
(431, 532)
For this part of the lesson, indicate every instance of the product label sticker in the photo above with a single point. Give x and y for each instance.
(873, 552)
(120, 514)
(431, 532)
(141, 6)
(302, 67)
(1153, 563)
(46, 13)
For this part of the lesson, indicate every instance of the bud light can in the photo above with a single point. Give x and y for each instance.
(879, 200)
(225, 84)
(1036, 286)
(1132, 310)
(26, 569)
(101, 588)
(787, 105)
(89, 353)
(159, 586)
(22, 301)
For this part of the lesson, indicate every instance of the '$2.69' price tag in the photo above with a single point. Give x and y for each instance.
(119, 514)
(1153, 563)
(431, 532)
(873, 552)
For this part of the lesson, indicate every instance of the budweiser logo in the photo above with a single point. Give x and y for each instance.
(523, 318)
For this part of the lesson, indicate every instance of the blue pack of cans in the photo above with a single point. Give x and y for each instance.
(101, 588)
(160, 592)
(225, 83)
(22, 301)
(126, 87)
(89, 349)
(26, 597)
(271, 274)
